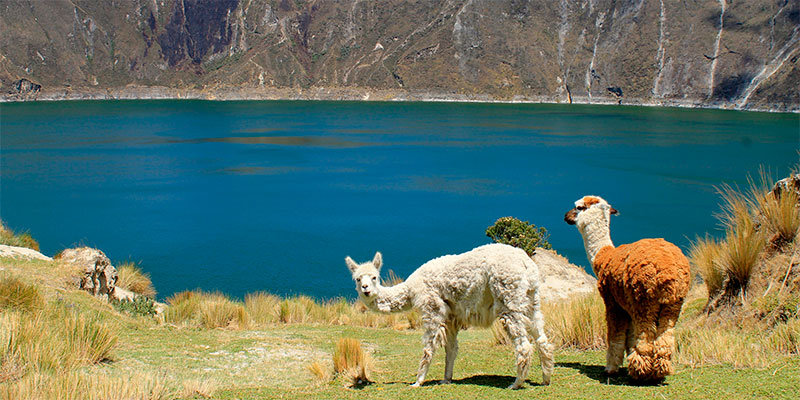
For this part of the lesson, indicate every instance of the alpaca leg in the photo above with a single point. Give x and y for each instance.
(451, 351)
(630, 338)
(641, 360)
(433, 337)
(515, 326)
(665, 340)
(617, 322)
(543, 345)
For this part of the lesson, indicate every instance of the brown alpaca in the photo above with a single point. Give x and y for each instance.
(643, 285)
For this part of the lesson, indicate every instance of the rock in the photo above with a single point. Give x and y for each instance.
(26, 87)
(22, 252)
(98, 276)
(791, 183)
(561, 280)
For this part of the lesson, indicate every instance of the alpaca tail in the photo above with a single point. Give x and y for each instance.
(650, 358)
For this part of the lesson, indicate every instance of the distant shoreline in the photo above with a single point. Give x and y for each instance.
(345, 94)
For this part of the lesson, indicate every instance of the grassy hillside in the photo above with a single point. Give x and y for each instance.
(148, 358)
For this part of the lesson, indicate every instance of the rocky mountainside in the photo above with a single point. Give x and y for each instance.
(726, 53)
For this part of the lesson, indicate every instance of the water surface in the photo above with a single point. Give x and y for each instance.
(248, 196)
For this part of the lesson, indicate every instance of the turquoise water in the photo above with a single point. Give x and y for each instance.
(248, 196)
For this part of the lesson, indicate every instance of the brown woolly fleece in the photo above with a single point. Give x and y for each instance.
(643, 285)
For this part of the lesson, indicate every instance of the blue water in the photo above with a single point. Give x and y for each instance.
(248, 196)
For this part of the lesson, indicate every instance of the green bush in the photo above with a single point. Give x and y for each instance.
(526, 236)
(140, 305)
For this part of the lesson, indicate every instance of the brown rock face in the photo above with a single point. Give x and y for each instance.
(729, 54)
(98, 277)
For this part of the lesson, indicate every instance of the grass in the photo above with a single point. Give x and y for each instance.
(703, 256)
(11, 238)
(131, 277)
(17, 295)
(577, 324)
(351, 362)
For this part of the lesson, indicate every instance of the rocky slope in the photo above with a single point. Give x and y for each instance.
(726, 53)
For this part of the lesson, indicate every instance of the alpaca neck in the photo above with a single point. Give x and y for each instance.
(595, 237)
(392, 299)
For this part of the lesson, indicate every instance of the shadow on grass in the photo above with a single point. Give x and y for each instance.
(497, 381)
(598, 373)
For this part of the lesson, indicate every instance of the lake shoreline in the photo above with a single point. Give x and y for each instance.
(351, 94)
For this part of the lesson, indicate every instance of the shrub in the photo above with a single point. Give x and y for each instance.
(16, 295)
(11, 238)
(511, 231)
(140, 305)
(131, 277)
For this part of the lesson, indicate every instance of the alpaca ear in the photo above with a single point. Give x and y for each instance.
(377, 261)
(614, 211)
(351, 264)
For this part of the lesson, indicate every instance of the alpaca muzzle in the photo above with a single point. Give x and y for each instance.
(571, 216)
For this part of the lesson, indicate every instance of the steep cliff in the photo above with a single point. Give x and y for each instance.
(726, 53)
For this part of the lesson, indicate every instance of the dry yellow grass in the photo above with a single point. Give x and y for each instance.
(262, 307)
(77, 385)
(351, 362)
(11, 238)
(195, 388)
(131, 277)
(578, 323)
(703, 256)
(17, 295)
(320, 371)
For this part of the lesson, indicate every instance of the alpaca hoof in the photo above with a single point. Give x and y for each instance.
(416, 384)
(611, 371)
(515, 386)
(445, 382)
(546, 381)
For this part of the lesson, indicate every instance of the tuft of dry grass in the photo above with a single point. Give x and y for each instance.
(207, 310)
(740, 253)
(578, 323)
(183, 309)
(351, 362)
(78, 385)
(11, 238)
(55, 339)
(781, 216)
(17, 295)
(131, 277)
(320, 371)
(262, 307)
(703, 256)
(222, 313)
(195, 388)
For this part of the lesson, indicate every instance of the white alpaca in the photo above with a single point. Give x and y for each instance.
(469, 289)
(643, 285)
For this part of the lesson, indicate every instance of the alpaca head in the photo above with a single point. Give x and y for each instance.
(589, 210)
(367, 277)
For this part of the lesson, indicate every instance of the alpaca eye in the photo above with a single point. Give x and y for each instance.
(358, 280)
(581, 208)
(374, 278)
